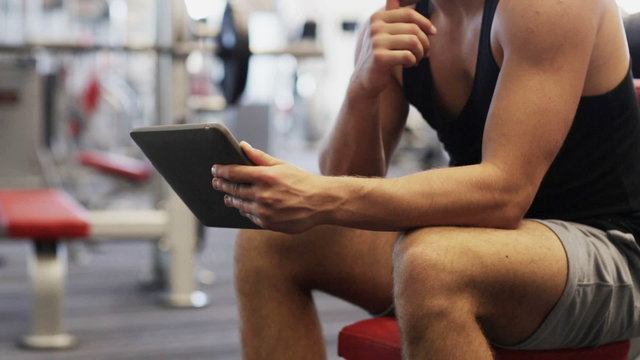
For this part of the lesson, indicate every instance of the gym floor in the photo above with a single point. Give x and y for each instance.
(114, 319)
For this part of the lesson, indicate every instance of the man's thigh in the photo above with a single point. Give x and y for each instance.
(352, 264)
(514, 276)
(546, 285)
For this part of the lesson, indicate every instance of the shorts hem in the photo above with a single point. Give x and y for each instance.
(539, 336)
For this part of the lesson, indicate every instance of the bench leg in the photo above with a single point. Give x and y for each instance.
(181, 240)
(47, 270)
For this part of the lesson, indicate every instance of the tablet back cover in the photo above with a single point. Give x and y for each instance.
(183, 155)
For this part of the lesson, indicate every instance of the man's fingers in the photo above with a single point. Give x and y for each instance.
(398, 33)
(388, 58)
(234, 189)
(409, 16)
(411, 43)
(246, 208)
(256, 220)
(237, 173)
(411, 30)
(240, 204)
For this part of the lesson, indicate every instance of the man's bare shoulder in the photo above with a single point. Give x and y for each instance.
(564, 35)
(533, 12)
(542, 26)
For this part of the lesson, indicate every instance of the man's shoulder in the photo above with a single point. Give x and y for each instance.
(542, 17)
(540, 26)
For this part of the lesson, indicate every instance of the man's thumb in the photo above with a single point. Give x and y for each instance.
(258, 157)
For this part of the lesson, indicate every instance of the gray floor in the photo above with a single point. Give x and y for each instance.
(114, 319)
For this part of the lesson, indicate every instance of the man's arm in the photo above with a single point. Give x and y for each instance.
(366, 133)
(546, 47)
(374, 111)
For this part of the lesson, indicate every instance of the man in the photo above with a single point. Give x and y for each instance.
(534, 102)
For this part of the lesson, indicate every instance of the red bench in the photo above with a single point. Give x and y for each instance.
(46, 217)
(124, 166)
(379, 339)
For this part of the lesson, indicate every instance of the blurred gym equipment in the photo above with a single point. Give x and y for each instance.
(31, 179)
(31, 209)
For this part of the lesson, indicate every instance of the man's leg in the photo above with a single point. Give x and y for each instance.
(456, 287)
(275, 274)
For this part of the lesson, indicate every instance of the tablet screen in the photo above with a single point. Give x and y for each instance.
(183, 155)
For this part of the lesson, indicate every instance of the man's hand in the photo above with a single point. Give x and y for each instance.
(396, 36)
(275, 195)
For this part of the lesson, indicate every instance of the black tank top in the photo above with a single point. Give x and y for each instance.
(595, 178)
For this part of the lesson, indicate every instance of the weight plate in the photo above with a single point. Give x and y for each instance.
(233, 49)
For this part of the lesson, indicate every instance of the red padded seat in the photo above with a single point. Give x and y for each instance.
(127, 167)
(379, 339)
(41, 214)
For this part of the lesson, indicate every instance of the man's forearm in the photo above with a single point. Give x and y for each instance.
(355, 146)
(475, 195)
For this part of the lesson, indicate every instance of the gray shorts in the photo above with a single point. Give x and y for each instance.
(601, 301)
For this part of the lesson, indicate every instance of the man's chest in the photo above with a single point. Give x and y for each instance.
(453, 60)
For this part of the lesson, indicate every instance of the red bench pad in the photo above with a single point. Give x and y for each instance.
(42, 214)
(379, 339)
(121, 165)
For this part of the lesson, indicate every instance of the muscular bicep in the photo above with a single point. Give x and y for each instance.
(546, 47)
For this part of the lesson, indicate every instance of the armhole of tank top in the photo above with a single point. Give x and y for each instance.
(487, 30)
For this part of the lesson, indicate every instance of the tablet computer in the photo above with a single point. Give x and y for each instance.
(183, 155)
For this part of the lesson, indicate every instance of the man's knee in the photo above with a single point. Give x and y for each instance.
(259, 251)
(431, 272)
(262, 254)
(352, 264)
(252, 244)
